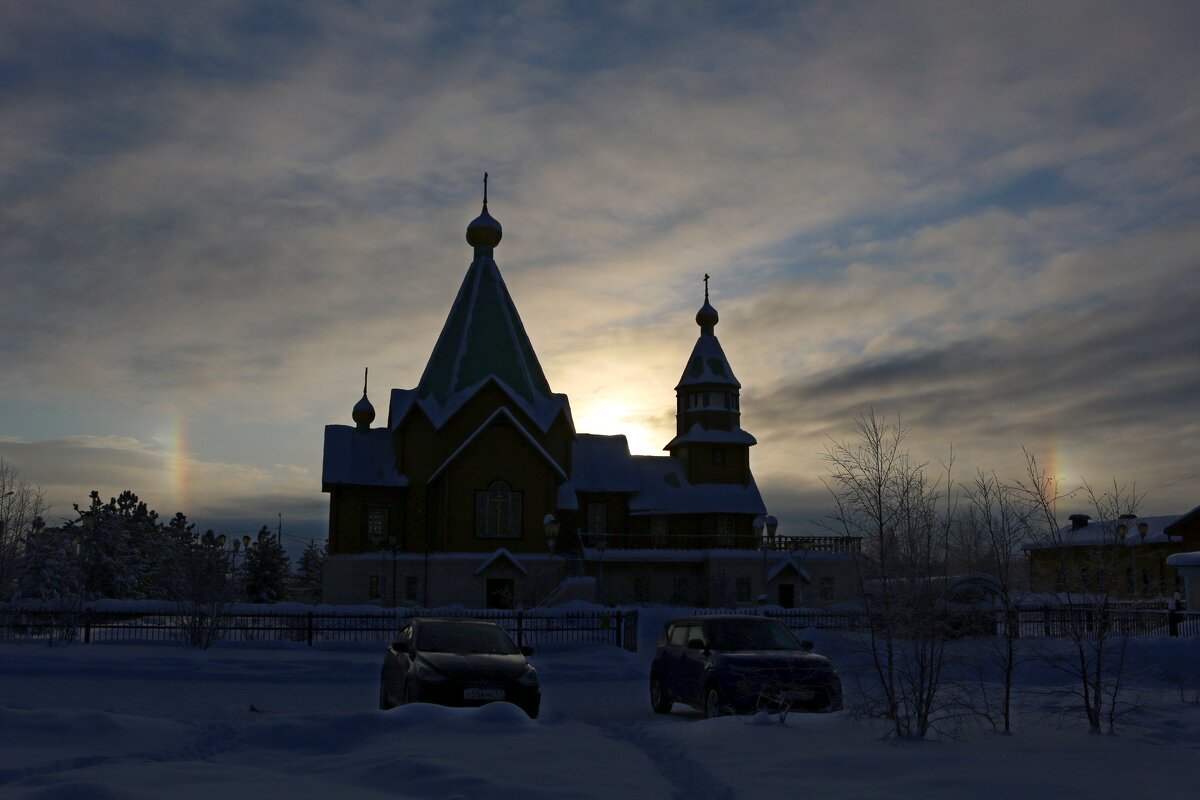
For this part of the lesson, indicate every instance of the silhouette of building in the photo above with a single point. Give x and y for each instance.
(480, 492)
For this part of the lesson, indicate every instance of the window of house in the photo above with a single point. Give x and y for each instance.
(412, 588)
(597, 518)
(718, 456)
(498, 512)
(742, 591)
(377, 525)
(728, 400)
(658, 530)
(376, 586)
(827, 588)
(724, 530)
(680, 592)
(641, 589)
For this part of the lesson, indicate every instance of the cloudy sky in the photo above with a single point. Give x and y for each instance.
(981, 217)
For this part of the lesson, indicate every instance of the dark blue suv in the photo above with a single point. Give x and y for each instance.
(722, 663)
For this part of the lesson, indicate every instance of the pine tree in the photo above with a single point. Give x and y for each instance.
(267, 569)
(49, 567)
(310, 571)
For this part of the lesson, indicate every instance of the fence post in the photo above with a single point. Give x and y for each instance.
(1046, 621)
(87, 627)
(620, 629)
(1173, 616)
(520, 627)
(310, 628)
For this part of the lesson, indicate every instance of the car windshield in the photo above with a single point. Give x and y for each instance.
(756, 634)
(453, 637)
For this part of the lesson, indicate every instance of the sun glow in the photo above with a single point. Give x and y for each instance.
(623, 415)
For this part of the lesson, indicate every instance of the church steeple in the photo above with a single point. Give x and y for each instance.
(364, 413)
(708, 410)
(484, 339)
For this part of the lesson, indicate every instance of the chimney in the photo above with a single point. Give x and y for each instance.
(1078, 521)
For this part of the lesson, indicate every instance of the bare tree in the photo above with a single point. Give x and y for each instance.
(889, 501)
(22, 509)
(988, 539)
(1086, 561)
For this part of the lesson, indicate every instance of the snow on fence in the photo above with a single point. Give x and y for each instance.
(535, 628)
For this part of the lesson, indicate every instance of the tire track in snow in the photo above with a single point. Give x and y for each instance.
(689, 777)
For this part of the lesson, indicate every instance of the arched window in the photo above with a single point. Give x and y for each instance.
(498, 512)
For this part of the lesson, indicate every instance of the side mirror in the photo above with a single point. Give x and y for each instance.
(526, 650)
(807, 646)
(695, 644)
(400, 646)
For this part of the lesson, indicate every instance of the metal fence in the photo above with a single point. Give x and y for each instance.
(1026, 622)
(534, 628)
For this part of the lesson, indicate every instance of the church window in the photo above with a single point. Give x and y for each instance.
(724, 530)
(706, 399)
(376, 586)
(412, 587)
(718, 457)
(597, 518)
(377, 525)
(498, 512)
(658, 531)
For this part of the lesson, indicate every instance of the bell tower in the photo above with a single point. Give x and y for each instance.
(708, 433)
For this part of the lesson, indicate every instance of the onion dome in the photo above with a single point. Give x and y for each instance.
(364, 412)
(484, 231)
(707, 318)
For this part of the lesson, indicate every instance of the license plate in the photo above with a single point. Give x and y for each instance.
(483, 694)
(800, 695)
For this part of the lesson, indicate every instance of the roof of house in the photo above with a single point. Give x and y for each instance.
(361, 458)
(707, 365)
(698, 433)
(1105, 532)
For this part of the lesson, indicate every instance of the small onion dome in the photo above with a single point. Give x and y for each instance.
(706, 318)
(484, 231)
(364, 413)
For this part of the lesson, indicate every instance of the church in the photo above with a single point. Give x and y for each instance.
(478, 491)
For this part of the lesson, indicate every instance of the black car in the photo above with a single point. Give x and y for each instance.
(458, 662)
(722, 663)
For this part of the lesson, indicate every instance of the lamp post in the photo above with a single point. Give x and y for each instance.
(760, 522)
(1143, 529)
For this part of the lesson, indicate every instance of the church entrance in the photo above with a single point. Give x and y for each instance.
(787, 595)
(500, 593)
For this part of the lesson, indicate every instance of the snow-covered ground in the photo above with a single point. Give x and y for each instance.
(112, 721)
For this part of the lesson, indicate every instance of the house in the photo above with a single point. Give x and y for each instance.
(1128, 557)
(479, 491)
(1187, 562)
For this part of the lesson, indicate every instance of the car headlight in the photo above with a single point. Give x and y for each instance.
(429, 674)
(528, 677)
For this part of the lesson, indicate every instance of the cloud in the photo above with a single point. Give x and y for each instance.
(980, 217)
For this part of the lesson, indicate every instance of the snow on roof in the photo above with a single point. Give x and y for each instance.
(664, 489)
(1105, 532)
(785, 562)
(362, 458)
(502, 553)
(697, 433)
(1184, 560)
(707, 365)
(497, 415)
(602, 464)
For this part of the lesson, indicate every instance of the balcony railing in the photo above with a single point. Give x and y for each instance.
(716, 541)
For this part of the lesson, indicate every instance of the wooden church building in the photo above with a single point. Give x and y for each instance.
(479, 491)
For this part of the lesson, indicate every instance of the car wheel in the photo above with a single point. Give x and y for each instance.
(660, 701)
(385, 702)
(712, 702)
